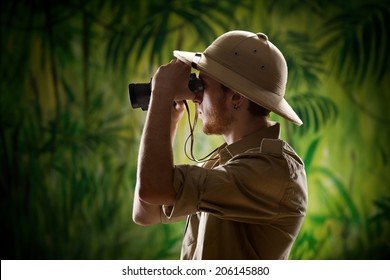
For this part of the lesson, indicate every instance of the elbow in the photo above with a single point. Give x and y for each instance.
(142, 220)
(143, 215)
(138, 220)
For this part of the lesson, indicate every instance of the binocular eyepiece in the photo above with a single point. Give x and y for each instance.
(139, 93)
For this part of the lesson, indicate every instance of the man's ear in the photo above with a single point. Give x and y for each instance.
(237, 100)
(236, 96)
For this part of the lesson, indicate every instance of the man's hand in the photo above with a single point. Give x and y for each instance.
(171, 81)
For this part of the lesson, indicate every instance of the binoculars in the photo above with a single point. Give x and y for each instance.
(139, 93)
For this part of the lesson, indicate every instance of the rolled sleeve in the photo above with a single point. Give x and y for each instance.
(246, 189)
(186, 182)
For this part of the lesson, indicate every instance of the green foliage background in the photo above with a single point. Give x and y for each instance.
(69, 139)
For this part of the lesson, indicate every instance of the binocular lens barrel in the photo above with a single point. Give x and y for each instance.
(139, 94)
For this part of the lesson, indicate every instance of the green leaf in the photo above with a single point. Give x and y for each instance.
(359, 38)
(316, 111)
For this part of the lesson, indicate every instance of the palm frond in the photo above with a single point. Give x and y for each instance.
(383, 206)
(303, 59)
(316, 111)
(149, 36)
(361, 36)
(290, 8)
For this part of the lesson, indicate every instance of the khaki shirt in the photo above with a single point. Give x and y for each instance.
(248, 204)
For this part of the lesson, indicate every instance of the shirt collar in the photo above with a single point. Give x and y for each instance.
(250, 141)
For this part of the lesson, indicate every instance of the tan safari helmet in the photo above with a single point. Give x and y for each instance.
(249, 64)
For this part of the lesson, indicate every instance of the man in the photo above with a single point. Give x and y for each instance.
(250, 199)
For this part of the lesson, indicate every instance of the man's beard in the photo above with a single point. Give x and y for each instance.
(218, 120)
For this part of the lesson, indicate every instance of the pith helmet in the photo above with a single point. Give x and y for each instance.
(249, 64)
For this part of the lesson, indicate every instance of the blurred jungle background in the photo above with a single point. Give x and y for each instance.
(69, 138)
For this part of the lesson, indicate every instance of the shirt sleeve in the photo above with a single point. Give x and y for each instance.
(248, 188)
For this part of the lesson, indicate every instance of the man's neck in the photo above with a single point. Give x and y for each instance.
(240, 129)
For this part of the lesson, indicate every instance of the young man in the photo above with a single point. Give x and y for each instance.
(250, 200)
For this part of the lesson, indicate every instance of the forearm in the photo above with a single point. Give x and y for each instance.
(155, 162)
(145, 213)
